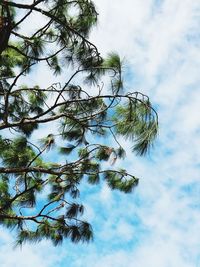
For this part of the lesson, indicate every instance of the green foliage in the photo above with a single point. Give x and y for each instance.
(67, 150)
(94, 178)
(48, 142)
(134, 121)
(8, 60)
(76, 124)
(113, 62)
(74, 210)
(118, 180)
(121, 153)
(17, 154)
(104, 153)
(4, 192)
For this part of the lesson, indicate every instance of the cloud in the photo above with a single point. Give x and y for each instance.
(29, 255)
(161, 41)
(158, 225)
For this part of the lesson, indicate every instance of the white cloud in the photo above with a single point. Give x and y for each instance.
(162, 45)
(157, 226)
(28, 255)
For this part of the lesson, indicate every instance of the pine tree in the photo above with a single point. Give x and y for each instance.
(83, 114)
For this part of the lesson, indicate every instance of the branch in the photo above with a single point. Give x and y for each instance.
(59, 21)
(30, 169)
(10, 89)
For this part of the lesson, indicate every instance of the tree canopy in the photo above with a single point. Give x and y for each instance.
(79, 114)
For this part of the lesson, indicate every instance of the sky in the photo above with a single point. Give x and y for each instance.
(158, 225)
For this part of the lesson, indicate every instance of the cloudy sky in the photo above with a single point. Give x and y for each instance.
(159, 224)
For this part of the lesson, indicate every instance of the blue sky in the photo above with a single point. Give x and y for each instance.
(159, 224)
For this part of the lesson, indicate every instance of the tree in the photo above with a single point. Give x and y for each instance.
(82, 112)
